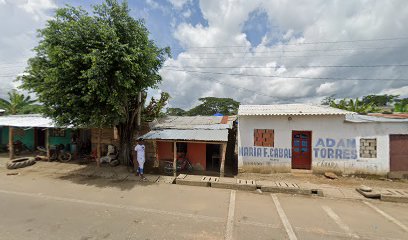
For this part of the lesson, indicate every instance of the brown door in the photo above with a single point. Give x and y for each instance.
(398, 152)
(301, 150)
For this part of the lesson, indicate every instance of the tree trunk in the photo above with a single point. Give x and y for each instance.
(126, 133)
(11, 143)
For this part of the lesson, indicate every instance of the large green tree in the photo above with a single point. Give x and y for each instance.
(379, 100)
(89, 69)
(354, 105)
(18, 103)
(176, 112)
(212, 105)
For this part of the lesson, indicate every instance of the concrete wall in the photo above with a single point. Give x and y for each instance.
(196, 153)
(335, 143)
(165, 151)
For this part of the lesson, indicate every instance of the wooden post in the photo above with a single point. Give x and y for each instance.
(98, 147)
(222, 167)
(175, 159)
(156, 155)
(47, 143)
(11, 143)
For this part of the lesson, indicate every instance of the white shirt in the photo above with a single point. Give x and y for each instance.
(140, 149)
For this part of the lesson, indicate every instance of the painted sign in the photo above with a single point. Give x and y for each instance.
(265, 152)
(330, 148)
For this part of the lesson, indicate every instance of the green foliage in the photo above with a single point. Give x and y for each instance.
(212, 105)
(155, 107)
(89, 68)
(401, 105)
(353, 105)
(379, 100)
(18, 103)
(328, 100)
(176, 112)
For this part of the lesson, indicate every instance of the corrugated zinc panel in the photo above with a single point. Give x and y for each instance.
(290, 109)
(27, 120)
(192, 135)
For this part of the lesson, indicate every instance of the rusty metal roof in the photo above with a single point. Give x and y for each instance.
(193, 122)
(289, 109)
(207, 135)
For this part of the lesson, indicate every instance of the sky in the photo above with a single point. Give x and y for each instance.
(256, 52)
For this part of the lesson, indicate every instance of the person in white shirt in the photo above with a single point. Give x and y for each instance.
(140, 156)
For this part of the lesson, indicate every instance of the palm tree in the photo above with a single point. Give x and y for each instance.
(354, 105)
(18, 103)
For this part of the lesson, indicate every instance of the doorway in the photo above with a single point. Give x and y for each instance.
(39, 137)
(213, 159)
(398, 152)
(301, 150)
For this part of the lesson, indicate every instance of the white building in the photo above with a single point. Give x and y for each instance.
(280, 138)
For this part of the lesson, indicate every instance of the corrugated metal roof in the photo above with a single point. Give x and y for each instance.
(393, 115)
(190, 135)
(289, 109)
(369, 118)
(27, 120)
(2, 110)
(187, 122)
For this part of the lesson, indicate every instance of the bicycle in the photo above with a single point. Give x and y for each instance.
(182, 164)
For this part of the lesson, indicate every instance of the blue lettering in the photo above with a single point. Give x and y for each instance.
(266, 152)
(354, 154)
(338, 154)
(320, 142)
(346, 154)
(341, 144)
(285, 153)
(259, 152)
(280, 153)
(323, 153)
(271, 152)
(330, 142)
(251, 153)
(316, 152)
(240, 151)
(276, 155)
(245, 151)
(330, 153)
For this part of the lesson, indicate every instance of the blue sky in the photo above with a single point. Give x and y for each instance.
(257, 52)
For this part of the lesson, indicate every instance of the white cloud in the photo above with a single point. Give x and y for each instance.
(178, 4)
(309, 21)
(19, 21)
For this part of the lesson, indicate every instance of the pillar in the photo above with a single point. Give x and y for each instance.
(222, 165)
(175, 159)
(11, 143)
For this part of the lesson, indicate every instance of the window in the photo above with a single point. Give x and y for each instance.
(368, 148)
(57, 132)
(263, 137)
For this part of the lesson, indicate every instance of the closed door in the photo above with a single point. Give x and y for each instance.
(399, 152)
(301, 150)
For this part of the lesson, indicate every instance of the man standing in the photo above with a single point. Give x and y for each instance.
(140, 155)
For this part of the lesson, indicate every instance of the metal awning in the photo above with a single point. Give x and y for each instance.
(206, 135)
(27, 120)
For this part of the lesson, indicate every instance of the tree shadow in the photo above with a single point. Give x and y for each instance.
(106, 176)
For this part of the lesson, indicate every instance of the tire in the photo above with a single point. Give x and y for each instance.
(20, 163)
(65, 157)
(114, 163)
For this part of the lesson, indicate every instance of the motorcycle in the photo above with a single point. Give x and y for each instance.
(182, 164)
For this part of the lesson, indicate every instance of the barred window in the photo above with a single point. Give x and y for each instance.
(264, 137)
(368, 148)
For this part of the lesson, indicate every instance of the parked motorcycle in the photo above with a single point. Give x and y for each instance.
(182, 164)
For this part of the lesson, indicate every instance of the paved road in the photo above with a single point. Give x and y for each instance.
(37, 207)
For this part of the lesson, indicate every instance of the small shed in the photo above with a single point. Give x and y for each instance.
(32, 130)
(208, 142)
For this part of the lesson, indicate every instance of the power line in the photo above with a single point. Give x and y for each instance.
(288, 67)
(290, 77)
(311, 50)
(304, 43)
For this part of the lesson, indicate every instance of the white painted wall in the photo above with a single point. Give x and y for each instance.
(322, 127)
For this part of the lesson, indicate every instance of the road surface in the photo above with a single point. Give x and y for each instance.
(37, 207)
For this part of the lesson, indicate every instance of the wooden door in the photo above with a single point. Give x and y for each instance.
(399, 152)
(301, 150)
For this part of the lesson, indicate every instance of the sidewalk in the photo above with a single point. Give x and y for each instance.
(343, 188)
